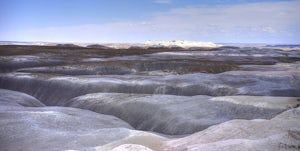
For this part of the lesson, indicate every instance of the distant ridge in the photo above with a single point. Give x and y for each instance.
(174, 44)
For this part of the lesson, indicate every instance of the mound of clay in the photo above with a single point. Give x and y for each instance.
(63, 88)
(179, 115)
(8, 97)
(131, 147)
(279, 133)
(57, 128)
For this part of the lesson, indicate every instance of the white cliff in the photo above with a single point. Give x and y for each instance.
(181, 43)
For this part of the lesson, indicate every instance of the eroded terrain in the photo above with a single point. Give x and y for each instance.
(91, 98)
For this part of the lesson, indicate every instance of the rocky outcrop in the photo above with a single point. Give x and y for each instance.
(11, 63)
(131, 147)
(160, 113)
(48, 128)
(180, 43)
(261, 101)
(230, 98)
(279, 133)
(134, 67)
(97, 46)
(67, 45)
(63, 88)
(14, 98)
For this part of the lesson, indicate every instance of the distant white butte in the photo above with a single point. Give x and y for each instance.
(181, 43)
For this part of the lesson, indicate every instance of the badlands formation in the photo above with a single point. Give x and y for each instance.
(157, 96)
(180, 43)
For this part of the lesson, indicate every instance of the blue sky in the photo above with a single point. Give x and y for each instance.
(228, 21)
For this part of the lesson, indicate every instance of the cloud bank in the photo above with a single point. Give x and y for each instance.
(267, 22)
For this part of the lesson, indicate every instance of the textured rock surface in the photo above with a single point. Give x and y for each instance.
(14, 98)
(179, 114)
(48, 128)
(280, 83)
(134, 67)
(131, 147)
(279, 133)
(231, 93)
(262, 101)
(144, 139)
(10, 63)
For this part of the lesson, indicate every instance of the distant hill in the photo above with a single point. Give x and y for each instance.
(97, 46)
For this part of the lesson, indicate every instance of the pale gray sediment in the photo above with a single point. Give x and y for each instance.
(154, 98)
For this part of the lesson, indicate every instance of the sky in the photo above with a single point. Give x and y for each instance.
(101, 21)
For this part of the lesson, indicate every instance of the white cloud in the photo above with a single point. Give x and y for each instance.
(163, 1)
(255, 22)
